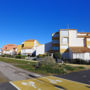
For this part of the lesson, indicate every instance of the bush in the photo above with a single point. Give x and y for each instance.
(41, 56)
(77, 61)
(57, 55)
(18, 56)
(80, 61)
(3, 55)
(6, 55)
(23, 56)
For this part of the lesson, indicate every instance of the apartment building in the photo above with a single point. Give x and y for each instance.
(71, 44)
(30, 47)
(0, 51)
(9, 49)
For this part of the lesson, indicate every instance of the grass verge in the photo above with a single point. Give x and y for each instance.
(46, 69)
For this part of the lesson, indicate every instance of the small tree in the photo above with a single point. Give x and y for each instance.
(57, 55)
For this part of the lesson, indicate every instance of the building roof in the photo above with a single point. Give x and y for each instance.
(29, 44)
(79, 49)
(31, 40)
(9, 47)
(83, 36)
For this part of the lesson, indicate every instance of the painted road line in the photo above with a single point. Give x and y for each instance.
(49, 83)
(15, 86)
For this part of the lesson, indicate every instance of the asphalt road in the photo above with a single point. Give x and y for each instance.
(7, 86)
(3, 78)
(82, 76)
(13, 73)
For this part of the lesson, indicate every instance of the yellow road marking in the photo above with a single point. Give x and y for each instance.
(49, 83)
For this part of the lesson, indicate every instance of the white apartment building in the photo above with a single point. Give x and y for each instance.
(71, 44)
(31, 47)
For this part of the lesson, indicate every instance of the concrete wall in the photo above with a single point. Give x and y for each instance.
(40, 50)
(74, 41)
(10, 52)
(27, 51)
(83, 56)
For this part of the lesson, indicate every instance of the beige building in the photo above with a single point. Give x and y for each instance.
(71, 44)
(31, 47)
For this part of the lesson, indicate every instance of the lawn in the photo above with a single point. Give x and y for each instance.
(43, 68)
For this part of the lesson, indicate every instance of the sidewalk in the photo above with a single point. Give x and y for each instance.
(13, 73)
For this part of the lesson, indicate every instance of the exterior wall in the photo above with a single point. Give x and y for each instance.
(30, 47)
(0, 51)
(74, 41)
(48, 46)
(19, 49)
(28, 44)
(88, 42)
(27, 51)
(55, 42)
(40, 50)
(65, 55)
(83, 56)
(10, 52)
(64, 40)
(9, 49)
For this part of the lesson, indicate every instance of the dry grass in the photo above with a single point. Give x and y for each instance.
(86, 66)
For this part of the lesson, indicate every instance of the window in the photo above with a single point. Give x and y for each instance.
(64, 41)
(64, 33)
(55, 48)
(88, 46)
(22, 45)
(55, 41)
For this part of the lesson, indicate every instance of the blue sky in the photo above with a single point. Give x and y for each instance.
(21, 20)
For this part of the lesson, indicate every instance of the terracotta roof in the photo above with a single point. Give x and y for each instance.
(83, 36)
(84, 32)
(79, 49)
(9, 46)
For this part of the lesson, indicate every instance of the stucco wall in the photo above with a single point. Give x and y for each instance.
(83, 56)
(40, 50)
(74, 41)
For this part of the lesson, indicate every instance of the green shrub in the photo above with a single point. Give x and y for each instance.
(80, 61)
(18, 56)
(41, 56)
(3, 55)
(57, 55)
(23, 56)
(70, 68)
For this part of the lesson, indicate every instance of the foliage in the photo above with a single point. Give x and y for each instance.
(18, 56)
(57, 55)
(78, 61)
(41, 55)
(43, 68)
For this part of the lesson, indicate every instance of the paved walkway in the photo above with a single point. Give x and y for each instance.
(13, 73)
